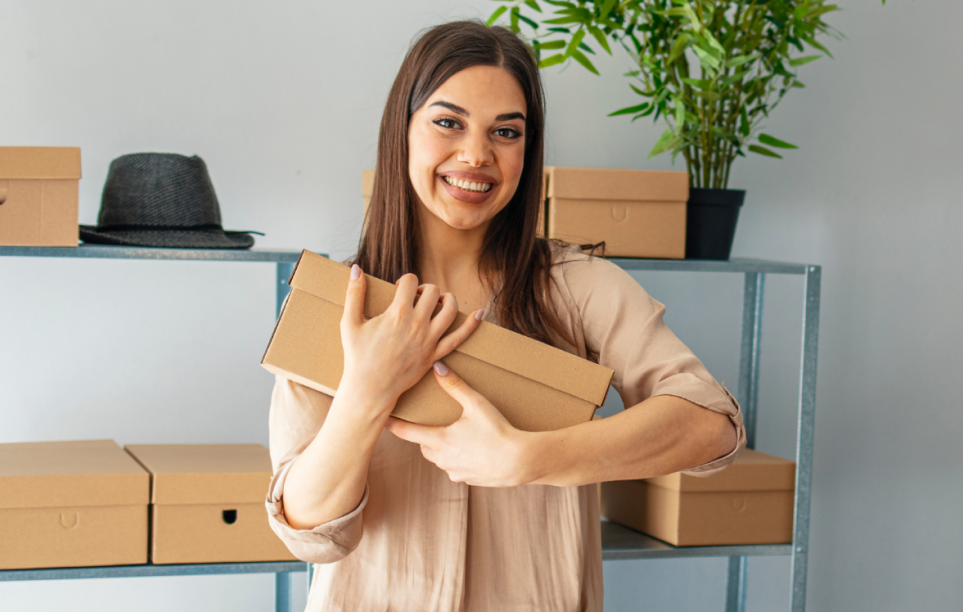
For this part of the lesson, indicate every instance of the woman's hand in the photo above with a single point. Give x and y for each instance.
(388, 354)
(481, 448)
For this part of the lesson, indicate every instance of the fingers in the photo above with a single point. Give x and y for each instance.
(454, 385)
(354, 298)
(428, 296)
(405, 294)
(459, 335)
(444, 318)
(418, 434)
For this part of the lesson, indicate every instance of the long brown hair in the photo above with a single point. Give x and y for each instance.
(514, 262)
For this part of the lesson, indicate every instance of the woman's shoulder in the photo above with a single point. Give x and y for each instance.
(579, 270)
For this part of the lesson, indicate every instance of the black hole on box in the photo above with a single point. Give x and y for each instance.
(230, 516)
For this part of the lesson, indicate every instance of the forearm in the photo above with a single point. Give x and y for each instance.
(661, 435)
(327, 480)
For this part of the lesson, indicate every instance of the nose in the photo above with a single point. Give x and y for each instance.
(476, 150)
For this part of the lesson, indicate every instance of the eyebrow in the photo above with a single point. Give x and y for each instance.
(459, 110)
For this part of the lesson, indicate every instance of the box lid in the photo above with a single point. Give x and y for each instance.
(70, 474)
(617, 184)
(751, 471)
(490, 343)
(188, 474)
(39, 162)
(367, 182)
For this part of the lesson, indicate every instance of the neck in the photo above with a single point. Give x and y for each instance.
(447, 256)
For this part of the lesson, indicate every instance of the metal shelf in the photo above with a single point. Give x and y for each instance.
(619, 543)
(140, 571)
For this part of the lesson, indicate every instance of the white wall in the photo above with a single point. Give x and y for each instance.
(283, 99)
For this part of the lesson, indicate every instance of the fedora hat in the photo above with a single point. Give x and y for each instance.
(161, 200)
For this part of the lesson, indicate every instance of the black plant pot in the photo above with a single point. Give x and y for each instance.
(711, 217)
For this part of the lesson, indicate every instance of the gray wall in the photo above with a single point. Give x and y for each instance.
(283, 101)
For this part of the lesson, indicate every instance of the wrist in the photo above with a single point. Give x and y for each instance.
(363, 401)
(533, 455)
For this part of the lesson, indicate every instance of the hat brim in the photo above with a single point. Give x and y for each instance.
(167, 238)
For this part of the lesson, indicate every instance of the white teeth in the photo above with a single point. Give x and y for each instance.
(468, 185)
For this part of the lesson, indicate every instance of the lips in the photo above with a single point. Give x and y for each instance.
(468, 187)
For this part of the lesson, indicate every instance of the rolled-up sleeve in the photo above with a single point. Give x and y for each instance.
(297, 414)
(624, 326)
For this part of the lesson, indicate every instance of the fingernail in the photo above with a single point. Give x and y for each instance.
(480, 314)
(355, 272)
(440, 368)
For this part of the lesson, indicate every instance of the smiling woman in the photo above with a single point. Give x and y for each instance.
(406, 517)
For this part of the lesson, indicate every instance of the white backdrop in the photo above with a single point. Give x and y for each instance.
(283, 99)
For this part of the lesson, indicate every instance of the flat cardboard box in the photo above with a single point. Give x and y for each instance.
(637, 213)
(536, 386)
(207, 503)
(367, 186)
(39, 196)
(71, 504)
(750, 502)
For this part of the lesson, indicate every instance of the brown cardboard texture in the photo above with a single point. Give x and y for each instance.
(38, 196)
(207, 503)
(71, 504)
(537, 387)
(637, 213)
(750, 502)
(367, 186)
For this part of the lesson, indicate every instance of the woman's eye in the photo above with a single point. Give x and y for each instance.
(507, 133)
(446, 123)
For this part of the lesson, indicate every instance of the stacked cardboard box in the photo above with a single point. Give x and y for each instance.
(70, 504)
(536, 386)
(38, 196)
(207, 503)
(751, 502)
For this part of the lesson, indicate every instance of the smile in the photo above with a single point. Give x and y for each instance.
(473, 186)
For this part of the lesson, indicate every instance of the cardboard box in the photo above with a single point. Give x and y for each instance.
(207, 503)
(638, 213)
(38, 196)
(537, 387)
(71, 504)
(750, 502)
(367, 186)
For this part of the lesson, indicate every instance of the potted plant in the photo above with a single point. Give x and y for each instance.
(711, 70)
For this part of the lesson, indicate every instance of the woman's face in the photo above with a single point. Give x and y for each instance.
(466, 146)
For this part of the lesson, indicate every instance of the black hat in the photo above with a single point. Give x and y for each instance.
(161, 200)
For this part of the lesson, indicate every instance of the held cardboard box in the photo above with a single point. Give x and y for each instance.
(38, 196)
(638, 213)
(71, 504)
(367, 186)
(207, 503)
(750, 502)
(537, 387)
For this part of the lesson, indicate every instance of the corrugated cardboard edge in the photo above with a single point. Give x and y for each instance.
(575, 380)
(617, 184)
(780, 476)
(40, 163)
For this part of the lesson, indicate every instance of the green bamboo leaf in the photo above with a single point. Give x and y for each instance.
(514, 19)
(549, 45)
(741, 59)
(679, 111)
(586, 48)
(673, 12)
(560, 30)
(600, 37)
(551, 61)
(630, 110)
(579, 57)
(665, 142)
(607, 8)
(534, 5)
(573, 44)
(764, 151)
(705, 58)
(563, 20)
(802, 61)
(531, 23)
(768, 140)
(714, 43)
(498, 13)
(700, 83)
(798, 84)
(678, 48)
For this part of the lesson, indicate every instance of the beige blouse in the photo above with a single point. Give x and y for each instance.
(419, 542)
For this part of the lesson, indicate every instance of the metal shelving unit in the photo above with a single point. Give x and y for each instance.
(617, 542)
